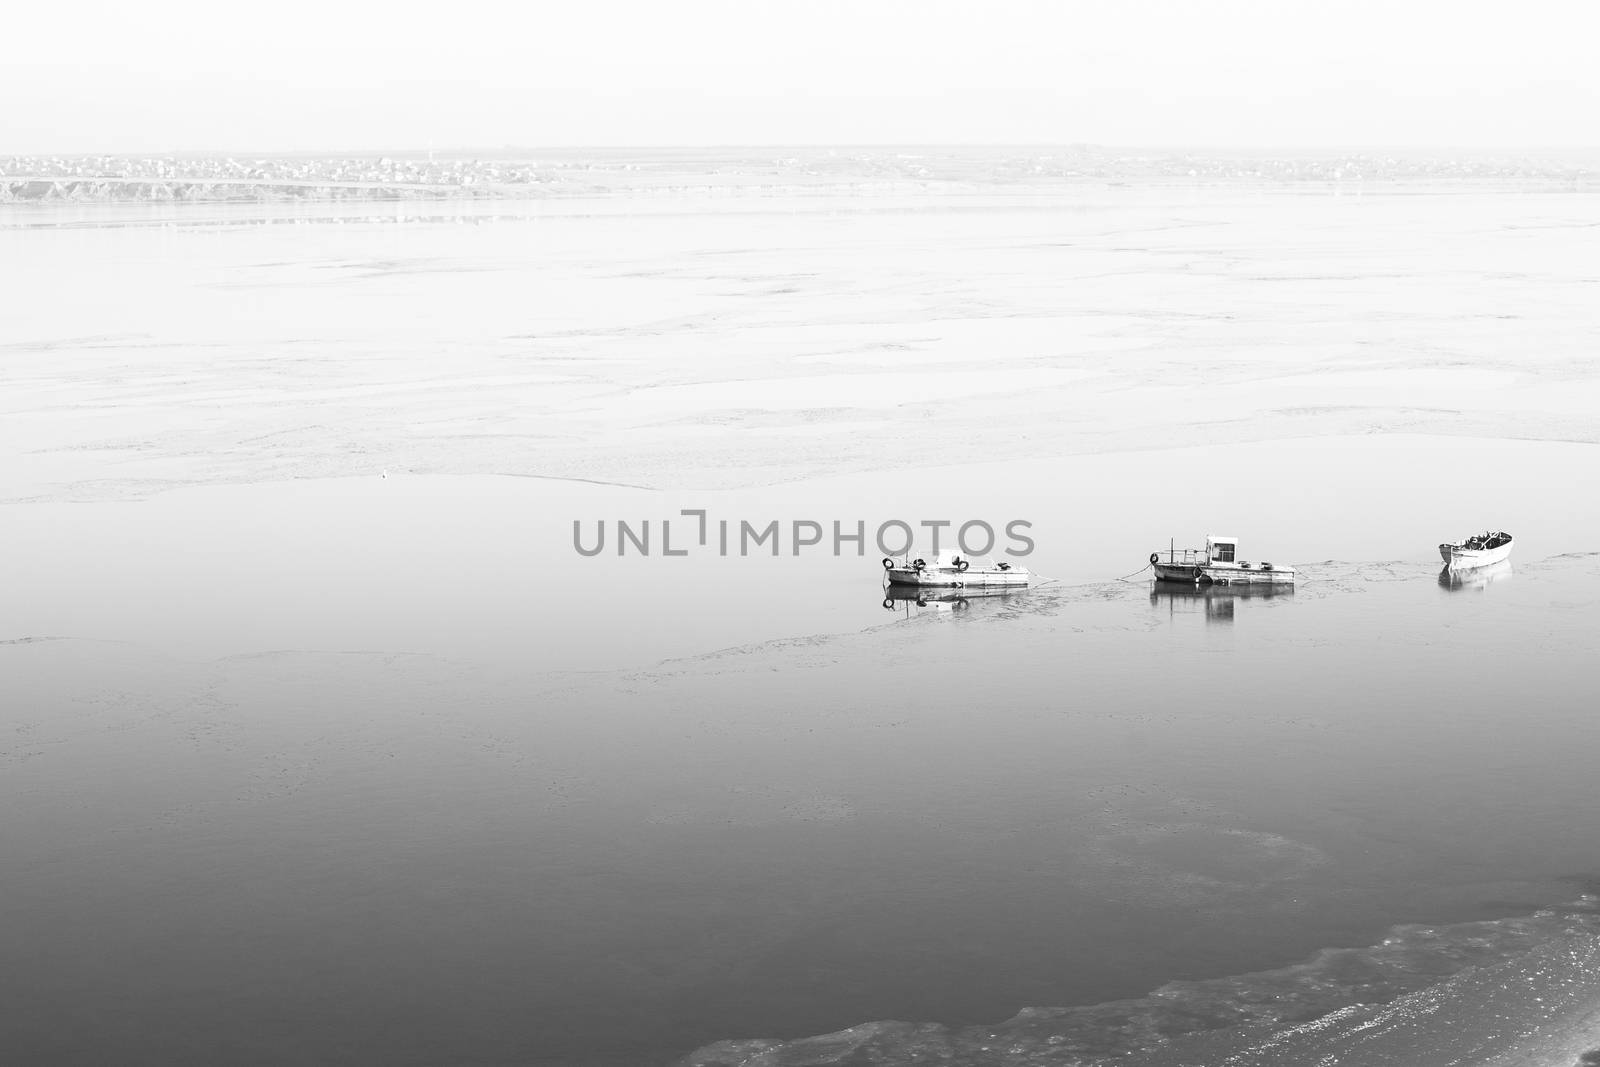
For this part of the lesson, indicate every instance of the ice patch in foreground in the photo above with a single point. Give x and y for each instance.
(1517, 992)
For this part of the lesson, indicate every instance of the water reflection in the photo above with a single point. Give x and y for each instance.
(910, 600)
(1478, 578)
(1216, 602)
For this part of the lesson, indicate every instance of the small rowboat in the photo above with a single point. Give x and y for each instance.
(952, 570)
(1479, 550)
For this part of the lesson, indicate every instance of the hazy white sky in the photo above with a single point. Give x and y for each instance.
(114, 76)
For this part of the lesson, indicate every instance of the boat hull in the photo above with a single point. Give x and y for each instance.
(1221, 574)
(1225, 575)
(1459, 557)
(1188, 573)
(928, 578)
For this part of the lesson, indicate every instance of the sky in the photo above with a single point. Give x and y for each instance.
(101, 76)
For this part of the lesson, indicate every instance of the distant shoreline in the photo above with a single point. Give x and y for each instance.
(738, 172)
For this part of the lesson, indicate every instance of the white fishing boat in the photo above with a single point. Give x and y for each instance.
(1479, 550)
(1219, 564)
(953, 570)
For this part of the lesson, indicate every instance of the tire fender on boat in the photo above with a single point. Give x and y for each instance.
(1155, 557)
(888, 564)
(962, 565)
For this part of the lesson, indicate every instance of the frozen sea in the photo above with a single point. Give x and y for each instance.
(319, 742)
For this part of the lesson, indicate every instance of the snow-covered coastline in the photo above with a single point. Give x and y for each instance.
(777, 171)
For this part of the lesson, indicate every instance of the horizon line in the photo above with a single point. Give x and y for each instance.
(1168, 146)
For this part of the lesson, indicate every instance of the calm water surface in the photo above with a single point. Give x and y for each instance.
(301, 763)
(1064, 797)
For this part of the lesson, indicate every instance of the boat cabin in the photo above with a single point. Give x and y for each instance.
(1221, 549)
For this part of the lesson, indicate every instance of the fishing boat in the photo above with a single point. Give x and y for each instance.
(1219, 564)
(1479, 550)
(953, 570)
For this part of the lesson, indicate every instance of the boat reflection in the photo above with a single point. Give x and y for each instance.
(1479, 578)
(909, 599)
(1216, 602)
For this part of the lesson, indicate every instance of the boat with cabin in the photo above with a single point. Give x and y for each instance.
(953, 570)
(1479, 550)
(1219, 564)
